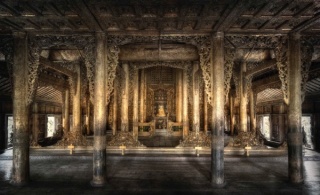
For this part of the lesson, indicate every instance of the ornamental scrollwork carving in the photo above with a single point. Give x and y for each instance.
(85, 43)
(89, 62)
(248, 85)
(228, 67)
(306, 57)
(236, 80)
(247, 41)
(133, 82)
(201, 42)
(33, 69)
(6, 47)
(179, 64)
(48, 41)
(205, 65)
(112, 63)
(281, 53)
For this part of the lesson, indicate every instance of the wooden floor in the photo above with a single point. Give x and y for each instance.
(53, 173)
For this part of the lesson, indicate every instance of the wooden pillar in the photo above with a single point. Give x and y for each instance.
(100, 111)
(178, 95)
(115, 107)
(231, 107)
(185, 104)
(125, 99)
(282, 130)
(35, 124)
(252, 102)
(66, 111)
(196, 98)
(88, 110)
(294, 111)
(20, 162)
(217, 146)
(142, 96)
(135, 103)
(76, 106)
(243, 99)
(205, 110)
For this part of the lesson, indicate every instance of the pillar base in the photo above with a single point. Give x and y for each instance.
(19, 184)
(195, 139)
(244, 139)
(214, 185)
(124, 138)
(98, 183)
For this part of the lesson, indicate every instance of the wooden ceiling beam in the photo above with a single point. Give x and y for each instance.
(86, 15)
(235, 10)
(309, 23)
(47, 80)
(49, 64)
(269, 64)
(276, 16)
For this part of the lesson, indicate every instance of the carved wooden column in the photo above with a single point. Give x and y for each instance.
(88, 110)
(218, 96)
(185, 104)
(115, 107)
(76, 106)
(196, 98)
(125, 99)
(252, 111)
(20, 162)
(135, 102)
(294, 111)
(231, 107)
(282, 129)
(142, 96)
(66, 111)
(178, 95)
(205, 110)
(243, 99)
(99, 123)
(35, 125)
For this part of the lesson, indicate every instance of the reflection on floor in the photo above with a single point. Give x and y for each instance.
(161, 138)
(55, 173)
(160, 141)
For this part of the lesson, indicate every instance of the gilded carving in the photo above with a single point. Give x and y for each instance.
(196, 139)
(306, 57)
(112, 63)
(236, 80)
(37, 43)
(124, 138)
(201, 42)
(6, 47)
(241, 41)
(228, 67)
(33, 65)
(281, 52)
(177, 64)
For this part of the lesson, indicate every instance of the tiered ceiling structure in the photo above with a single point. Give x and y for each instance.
(155, 18)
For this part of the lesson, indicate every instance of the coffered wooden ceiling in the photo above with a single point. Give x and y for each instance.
(232, 16)
(149, 17)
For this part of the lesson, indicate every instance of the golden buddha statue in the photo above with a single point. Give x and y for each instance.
(161, 111)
